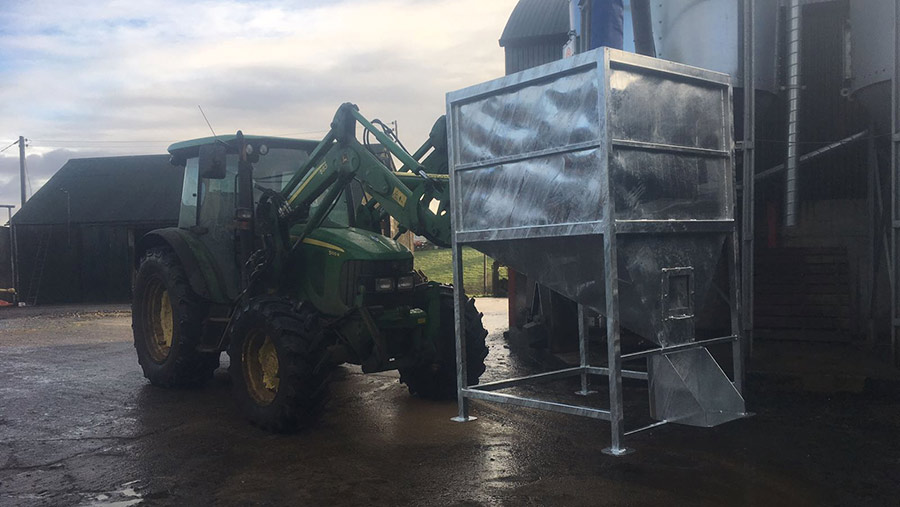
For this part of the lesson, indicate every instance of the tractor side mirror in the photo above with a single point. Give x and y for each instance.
(212, 161)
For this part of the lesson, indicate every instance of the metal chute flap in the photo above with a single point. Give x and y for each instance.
(688, 387)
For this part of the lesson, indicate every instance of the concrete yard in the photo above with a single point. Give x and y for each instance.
(79, 425)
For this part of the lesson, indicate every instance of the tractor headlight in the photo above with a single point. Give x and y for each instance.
(406, 282)
(384, 284)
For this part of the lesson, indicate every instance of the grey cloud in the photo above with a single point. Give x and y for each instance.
(88, 88)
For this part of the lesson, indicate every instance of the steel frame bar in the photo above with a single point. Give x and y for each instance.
(459, 319)
(859, 136)
(583, 351)
(528, 156)
(668, 148)
(892, 264)
(868, 312)
(611, 269)
(602, 370)
(748, 180)
(551, 406)
(677, 348)
(647, 427)
(538, 377)
(559, 374)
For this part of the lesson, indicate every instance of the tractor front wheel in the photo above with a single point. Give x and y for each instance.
(436, 380)
(278, 372)
(167, 321)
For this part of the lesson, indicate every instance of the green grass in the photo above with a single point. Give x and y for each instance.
(438, 266)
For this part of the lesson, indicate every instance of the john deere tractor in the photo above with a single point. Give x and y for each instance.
(280, 258)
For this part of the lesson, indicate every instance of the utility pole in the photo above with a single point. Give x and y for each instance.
(22, 168)
(12, 255)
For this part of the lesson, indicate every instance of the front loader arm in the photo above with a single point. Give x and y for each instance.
(419, 201)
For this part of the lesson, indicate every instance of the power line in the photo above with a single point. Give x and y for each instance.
(10, 145)
(819, 143)
(95, 141)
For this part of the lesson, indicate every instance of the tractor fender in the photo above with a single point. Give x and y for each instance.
(198, 262)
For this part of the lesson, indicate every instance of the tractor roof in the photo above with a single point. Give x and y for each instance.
(186, 149)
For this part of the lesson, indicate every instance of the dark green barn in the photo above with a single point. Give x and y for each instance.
(75, 237)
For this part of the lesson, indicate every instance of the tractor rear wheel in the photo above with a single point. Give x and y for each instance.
(437, 380)
(167, 322)
(279, 376)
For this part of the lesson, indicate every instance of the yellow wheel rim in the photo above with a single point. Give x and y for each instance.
(260, 365)
(161, 321)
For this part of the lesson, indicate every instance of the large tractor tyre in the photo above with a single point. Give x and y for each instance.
(167, 322)
(277, 370)
(437, 381)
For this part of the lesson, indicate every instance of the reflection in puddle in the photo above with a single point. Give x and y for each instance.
(123, 497)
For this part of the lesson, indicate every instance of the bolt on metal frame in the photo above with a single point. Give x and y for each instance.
(609, 228)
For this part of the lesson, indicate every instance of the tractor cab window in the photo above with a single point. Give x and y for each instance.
(339, 216)
(187, 217)
(276, 168)
(217, 199)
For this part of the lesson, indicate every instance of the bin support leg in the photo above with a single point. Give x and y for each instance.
(458, 317)
(583, 352)
(613, 349)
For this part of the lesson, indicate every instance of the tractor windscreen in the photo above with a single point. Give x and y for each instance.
(275, 169)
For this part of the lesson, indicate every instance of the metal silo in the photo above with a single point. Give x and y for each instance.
(872, 57)
(707, 34)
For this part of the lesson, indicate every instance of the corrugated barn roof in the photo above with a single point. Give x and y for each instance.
(537, 19)
(143, 189)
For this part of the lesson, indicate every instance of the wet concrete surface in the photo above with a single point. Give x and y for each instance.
(79, 425)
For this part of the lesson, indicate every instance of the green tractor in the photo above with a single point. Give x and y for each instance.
(280, 259)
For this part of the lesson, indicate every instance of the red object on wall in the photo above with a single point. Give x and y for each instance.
(771, 225)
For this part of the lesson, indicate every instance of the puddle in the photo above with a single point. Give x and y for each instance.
(127, 495)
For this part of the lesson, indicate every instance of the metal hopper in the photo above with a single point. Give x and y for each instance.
(608, 178)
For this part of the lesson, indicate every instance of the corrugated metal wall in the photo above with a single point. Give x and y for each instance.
(82, 263)
(5, 254)
(519, 58)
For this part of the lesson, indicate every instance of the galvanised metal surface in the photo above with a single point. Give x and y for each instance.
(608, 178)
(791, 199)
(526, 159)
(707, 33)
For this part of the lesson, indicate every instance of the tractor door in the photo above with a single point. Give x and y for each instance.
(207, 210)
(215, 215)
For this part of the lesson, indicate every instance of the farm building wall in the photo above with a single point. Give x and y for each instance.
(75, 237)
(6, 276)
(81, 263)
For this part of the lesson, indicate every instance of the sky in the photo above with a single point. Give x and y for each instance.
(124, 77)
